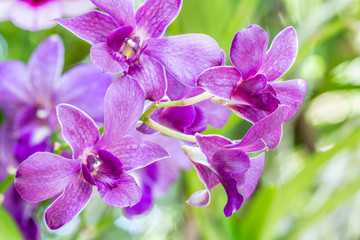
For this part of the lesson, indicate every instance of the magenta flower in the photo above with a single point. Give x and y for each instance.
(35, 15)
(248, 88)
(29, 94)
(124, 42)
(220, 160)
(100, 161)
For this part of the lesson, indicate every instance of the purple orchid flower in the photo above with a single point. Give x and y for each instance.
(220, 160)
(104, 161)
(189, 119)
(248, 88)
(156, 178)
(28, 95)
(35, 15)
(124, 42)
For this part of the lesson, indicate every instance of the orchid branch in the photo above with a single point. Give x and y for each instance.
(167, 131)
(179, 103)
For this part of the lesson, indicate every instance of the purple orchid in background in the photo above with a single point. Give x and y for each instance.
(189, 119)
(35, 15)
(248, 88)
(23, 212)
(220, 160)
(97, 161)
(28, 95)
(156, 178)
(124, 42)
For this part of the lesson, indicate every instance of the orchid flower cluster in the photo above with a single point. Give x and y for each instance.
(133, 121)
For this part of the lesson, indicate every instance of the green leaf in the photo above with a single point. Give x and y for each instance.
(8, 228)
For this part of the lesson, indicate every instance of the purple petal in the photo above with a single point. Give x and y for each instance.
(73, 200)
(78, 129)
(251, 177)
(108, 60)
(43, 175)
(151, 77)
(45, 66)
(111, 165)
(290, 93)
(121, 191)
(210, 144)
(175, 89)
(248, 50)
(178, 118)
(134, 153)
(235, 199)
(143, 205)
(13, 83)
(93, 27)
(121, 11)
(153, 17)
(215, 114)
(219, 81)
(84, 86)
(185, 56)
(87, 175)
(281, 54)
(124, 103)
(199, 124)
(247, 112)
(268, 130)
(116, 38)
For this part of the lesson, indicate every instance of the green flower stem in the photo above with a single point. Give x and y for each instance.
(8, 181)
(180, 103)
(167, 131)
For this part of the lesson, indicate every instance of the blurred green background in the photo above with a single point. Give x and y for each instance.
(310, 187)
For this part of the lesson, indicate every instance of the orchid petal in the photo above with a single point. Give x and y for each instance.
(175, 89)
(116, 38)
(151, 77)
(134, 153)
(121, 11)
(153, 17)
(210, 144)
(45, 66)
(178, 118)
(93, 27)
(108, 60)
(73, 200)
(124, 103)
(251, 177)
(185, 56)
(84, 86)
(119, 191)
(290, 93)
(248, 50)
(78, 129)
(43, 175)
(216, 115)
(281, 54)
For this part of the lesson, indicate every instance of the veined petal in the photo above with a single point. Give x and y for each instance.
(178, 118)
(250, 113)
(219, 81)
(290, 93)
(93, 27)
(13, 83)
(45, 66)
(281, 54)
(108, 60)
(121, 191)
(210, 144)
(116, 38)
(153, 17)
(215, 114)
(78, 129)
(199, 124)
(248, 50)
(43, 175)
(251, 177)
(185, 56)
(268, 130)
(121, 11)
(175, 89)
(124, 103)
(73, 200)
(151, 77)
(134, 153)
(84, 86)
